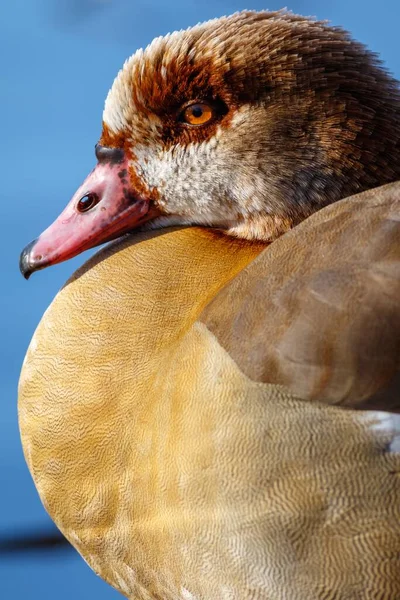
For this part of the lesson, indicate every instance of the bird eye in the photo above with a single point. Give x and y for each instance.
(87, 202)
(198, 113)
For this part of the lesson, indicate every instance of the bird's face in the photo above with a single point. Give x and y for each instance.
(232, 124)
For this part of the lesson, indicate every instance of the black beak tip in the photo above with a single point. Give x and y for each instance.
(25, 263)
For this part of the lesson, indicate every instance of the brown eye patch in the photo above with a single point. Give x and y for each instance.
(191, 121)
(197, 114)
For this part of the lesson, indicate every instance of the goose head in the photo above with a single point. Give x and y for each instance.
(247, 123)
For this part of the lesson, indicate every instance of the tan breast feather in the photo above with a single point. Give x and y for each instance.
(176, 410)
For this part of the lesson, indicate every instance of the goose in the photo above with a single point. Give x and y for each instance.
(209, 407)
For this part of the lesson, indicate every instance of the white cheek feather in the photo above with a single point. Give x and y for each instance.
(187, 178)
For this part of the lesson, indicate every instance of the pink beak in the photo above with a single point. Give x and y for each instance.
(103, 208)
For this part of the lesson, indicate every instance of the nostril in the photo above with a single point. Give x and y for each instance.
(107, 154)
(87, 202)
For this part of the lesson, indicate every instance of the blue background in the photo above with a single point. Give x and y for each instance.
(57, 61)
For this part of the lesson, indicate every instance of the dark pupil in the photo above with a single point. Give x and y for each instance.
(197, 112)
(87, 202)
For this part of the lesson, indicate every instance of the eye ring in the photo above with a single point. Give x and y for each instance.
(197, 114)
(87, 202)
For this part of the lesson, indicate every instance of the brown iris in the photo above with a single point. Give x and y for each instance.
(198, 113)
(87, 202)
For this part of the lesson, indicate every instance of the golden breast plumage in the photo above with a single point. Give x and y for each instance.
(170, 470)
